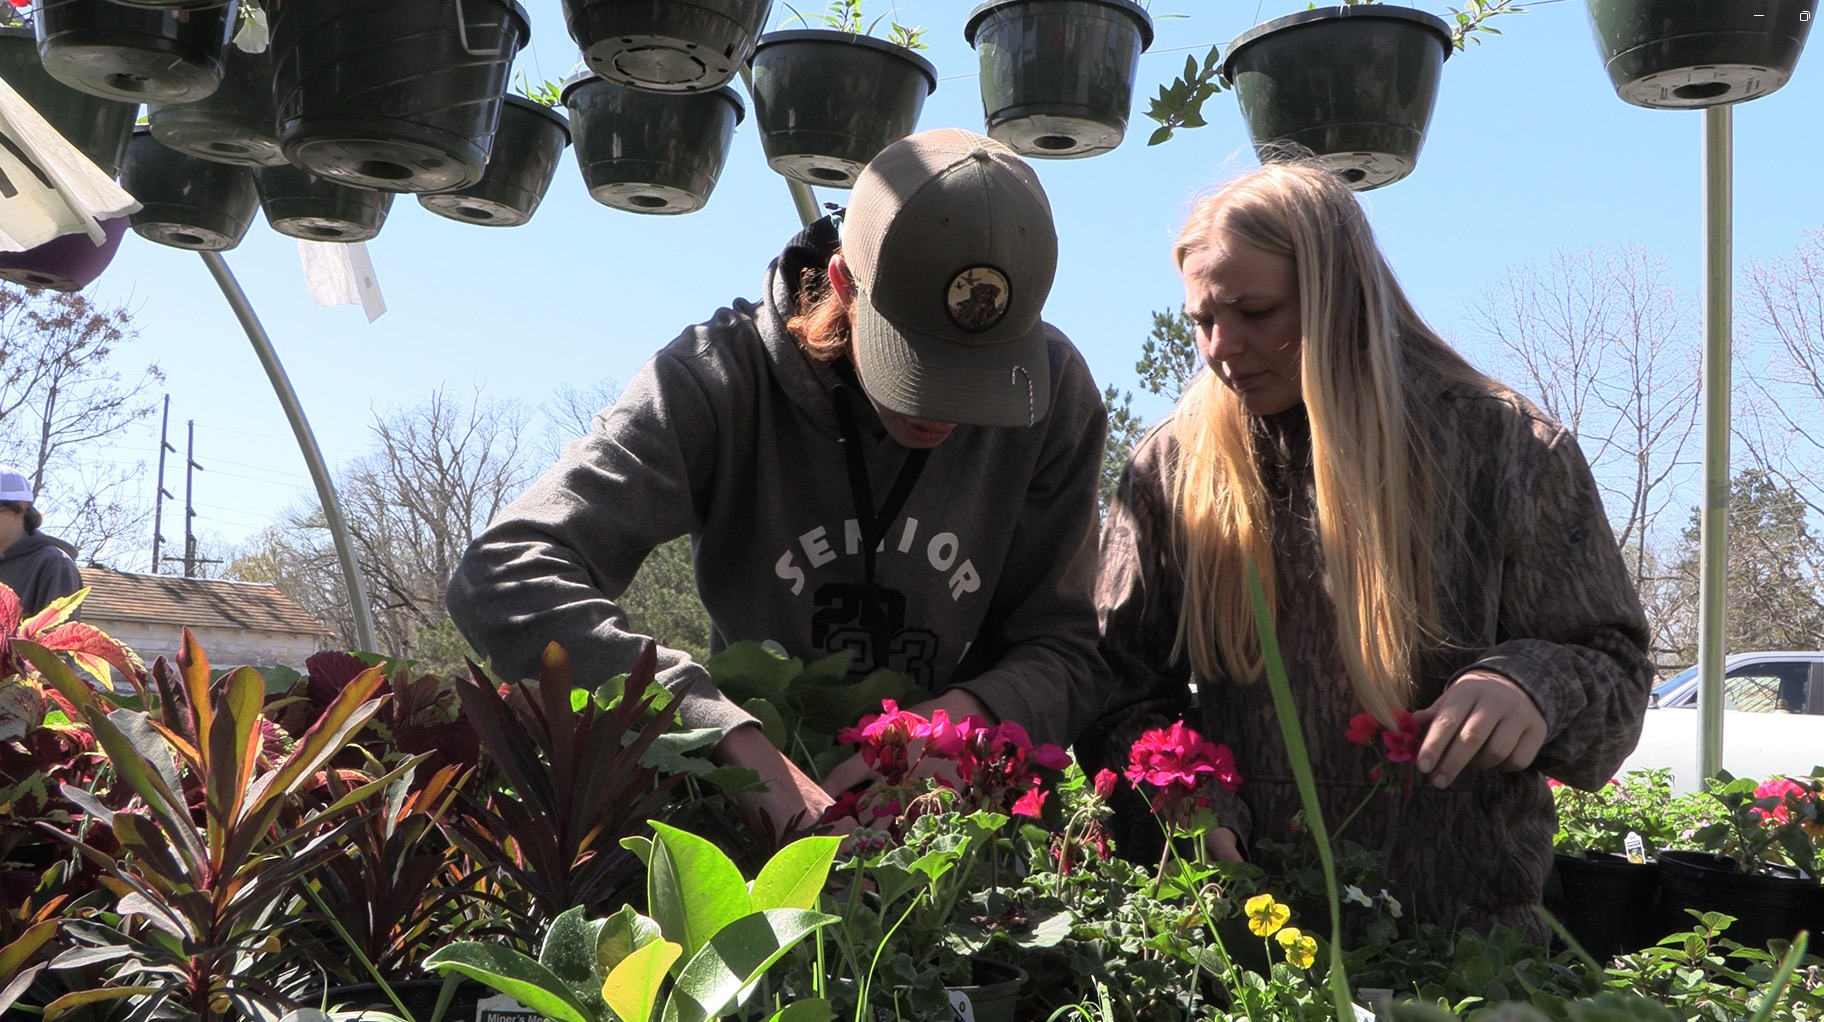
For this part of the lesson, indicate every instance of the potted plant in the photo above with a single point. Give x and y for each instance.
(828, 99)
(68, 263)
(650, 152)
(305, 206)
(1682, 54)
(665, 45)
(1058, 75)
(98, 127)
(531, 140)
(1756, 862)
(135, 54)
(186, 202)
(402, 96)
(1608, 878)
(235, 124)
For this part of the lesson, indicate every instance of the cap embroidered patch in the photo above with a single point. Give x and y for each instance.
(978, 298)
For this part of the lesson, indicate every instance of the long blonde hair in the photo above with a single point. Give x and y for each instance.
(1378, 493)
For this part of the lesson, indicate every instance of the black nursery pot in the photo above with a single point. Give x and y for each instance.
(666, 45)
(650, 152)
(1058, 75)
(1682, 54)
(1354, 86)
(1610, 903)
(302, 205)
(186, 202)
(418, 995)
(993, 994)
(97, 126)
(828, 102)
(234, 125)
(135, 54)
(527, 148)
(1765, 907)
(403, 96)
(175, 5)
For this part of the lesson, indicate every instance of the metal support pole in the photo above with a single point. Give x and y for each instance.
(307, 445)
(1714, 518)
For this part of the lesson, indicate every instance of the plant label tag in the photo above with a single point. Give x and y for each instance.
(1636, 848)
(501, 1008)
(1378, 1001)
(962, 1009)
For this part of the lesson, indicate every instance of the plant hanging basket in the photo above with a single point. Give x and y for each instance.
(1352, 86)
(186, 202)
(527, 148)
(98, 127)
(1683, 54)
(403, 96)
(666, 45)
(68, 263)
(302, 205)
(828, 102)
(650, 152)
(134, 54)
(235, 125)
(1058, 75)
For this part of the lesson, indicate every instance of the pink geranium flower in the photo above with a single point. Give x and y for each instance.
(1031, 804)
(1402, 745)
(1363, 729)
(1105, 784)
(1788, 791)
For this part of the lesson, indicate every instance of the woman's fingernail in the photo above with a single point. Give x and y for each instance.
(1425, 766)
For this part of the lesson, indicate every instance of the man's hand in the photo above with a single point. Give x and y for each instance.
(956, 702)
(1482, 720)
(791, 799)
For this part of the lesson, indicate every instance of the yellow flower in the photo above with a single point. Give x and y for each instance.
(1265, 916)
(1301, 950)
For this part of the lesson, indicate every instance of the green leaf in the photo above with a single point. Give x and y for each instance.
(814, 1009)
(623, 933)
(569, 952)
(711, 984)
(513, 974)
(794, 877)
(632, 989)
(694, 889)
(772, 722)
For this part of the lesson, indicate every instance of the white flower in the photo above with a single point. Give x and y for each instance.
(1393, 904)
(1355, 894)
(252, 36)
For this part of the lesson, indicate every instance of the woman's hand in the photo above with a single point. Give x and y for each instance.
(791, 799)
(1482, 720)
(1222, 845)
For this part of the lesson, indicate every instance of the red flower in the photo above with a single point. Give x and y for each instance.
(1402, 745)
(1363, 729)
(1105, 784)
(1179, 756)
(1031, 804)
(22, 4)
(1787, 791)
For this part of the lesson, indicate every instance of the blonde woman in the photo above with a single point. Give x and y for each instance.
(1429, 542)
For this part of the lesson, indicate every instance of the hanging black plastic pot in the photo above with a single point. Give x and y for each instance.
(136, 54)
(1682, 54)
(175, 5)
(667, 45)
(302, 205)
(68, 263)
(527, 148)
(403, 96)
(98, 127)
(186, 202)
(1353, 86)
(1766, 906)
(1058, 75)
(650, 152)
(827, 102)
(235, 125)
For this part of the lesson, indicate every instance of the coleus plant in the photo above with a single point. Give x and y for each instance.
(198, 887)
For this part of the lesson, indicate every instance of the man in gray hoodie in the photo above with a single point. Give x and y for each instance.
(36, 567)
(890, 453)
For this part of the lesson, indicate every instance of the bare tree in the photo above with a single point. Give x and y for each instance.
(1605, 343)
(571, 411)
(62, 401)
(1783, 427)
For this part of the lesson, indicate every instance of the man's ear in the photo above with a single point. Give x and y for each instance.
(841, 280)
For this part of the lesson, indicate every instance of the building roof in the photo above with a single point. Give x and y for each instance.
(192, 602)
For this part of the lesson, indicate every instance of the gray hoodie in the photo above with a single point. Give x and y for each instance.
(39, 568)
(730, 435)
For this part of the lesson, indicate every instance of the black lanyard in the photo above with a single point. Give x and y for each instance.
(873, 522)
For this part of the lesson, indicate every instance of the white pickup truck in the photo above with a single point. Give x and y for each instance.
(1773, 719)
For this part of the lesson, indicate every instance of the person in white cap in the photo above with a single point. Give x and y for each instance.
(37, 567)
(890, 453)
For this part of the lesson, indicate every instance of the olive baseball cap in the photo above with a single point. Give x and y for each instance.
(949, 238)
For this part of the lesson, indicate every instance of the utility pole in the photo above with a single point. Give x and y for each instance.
(158, 501)
(190, 469)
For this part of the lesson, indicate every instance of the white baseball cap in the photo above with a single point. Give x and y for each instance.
(14, 485)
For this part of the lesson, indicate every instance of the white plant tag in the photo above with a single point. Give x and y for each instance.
(340, 273)
(961, 1007)
(1637, 849)
(501, 1008)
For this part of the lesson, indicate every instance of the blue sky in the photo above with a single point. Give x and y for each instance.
(1529, 152)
